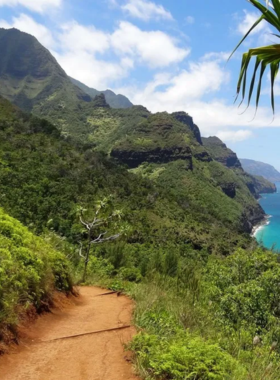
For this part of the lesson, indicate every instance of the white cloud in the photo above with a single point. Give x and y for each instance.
(155, 48)
(248, 21)
(190, 20)
(39, 6)
(76, 37)
(94, 72)
(235, 136)
(216, 56)
(28, 25)
(146, 10)
(173, 93)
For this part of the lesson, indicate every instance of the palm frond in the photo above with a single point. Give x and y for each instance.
(266, 56)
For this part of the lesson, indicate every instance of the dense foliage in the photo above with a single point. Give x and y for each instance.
(217, 318)
(30, 270)
(43, 177)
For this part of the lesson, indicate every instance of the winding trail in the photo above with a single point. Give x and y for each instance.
(64, 345)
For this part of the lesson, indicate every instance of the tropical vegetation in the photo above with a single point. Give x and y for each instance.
(264, 57)
(30, 271)
(177, 211)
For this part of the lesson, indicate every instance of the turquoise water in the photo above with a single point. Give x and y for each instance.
(269, 235)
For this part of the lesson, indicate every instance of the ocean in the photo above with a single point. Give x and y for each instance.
(269, 234)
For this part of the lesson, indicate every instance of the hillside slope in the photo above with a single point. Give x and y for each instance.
(32, 79)
(261, 169)
(221, 153)
(29, 74)
(43, 177)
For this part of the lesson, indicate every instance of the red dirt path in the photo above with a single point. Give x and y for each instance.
(87, 357)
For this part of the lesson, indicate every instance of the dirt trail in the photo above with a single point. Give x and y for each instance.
(42, 355)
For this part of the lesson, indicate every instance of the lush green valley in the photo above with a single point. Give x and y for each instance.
(207, 303)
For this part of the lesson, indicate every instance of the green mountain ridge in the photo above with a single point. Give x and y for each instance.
(114, 100)
(221, 153)
(258, 168)
(29, 74)
(165, 149)
(43, 176)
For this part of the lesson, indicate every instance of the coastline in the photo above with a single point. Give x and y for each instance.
(261, 225)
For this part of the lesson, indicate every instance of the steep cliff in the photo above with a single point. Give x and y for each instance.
(160, 138)
(220, 152)
(258, 168)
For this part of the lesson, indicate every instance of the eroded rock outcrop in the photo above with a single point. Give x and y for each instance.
(220, 152)
(158, 155)
(186, 119)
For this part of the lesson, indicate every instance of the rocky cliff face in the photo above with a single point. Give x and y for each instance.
(220, 152)
(100, 102)
(186, 119)
(229, 189)
(162, 138)
(157, 155)
(253, 213)
(259, 185)
(251, 218)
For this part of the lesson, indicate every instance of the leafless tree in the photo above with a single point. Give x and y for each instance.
(93, 237)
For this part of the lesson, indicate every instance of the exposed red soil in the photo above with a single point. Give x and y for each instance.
(63, 345)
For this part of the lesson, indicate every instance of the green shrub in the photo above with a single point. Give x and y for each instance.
(130, 274)
(185, 357)
(245, 289)
(30, 269)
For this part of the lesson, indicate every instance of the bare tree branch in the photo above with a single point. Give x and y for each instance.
(81, 250)
(100, 240)
(95, 223)
(84, 223)
(91, 226)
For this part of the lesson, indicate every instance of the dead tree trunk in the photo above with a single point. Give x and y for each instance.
(91, 226)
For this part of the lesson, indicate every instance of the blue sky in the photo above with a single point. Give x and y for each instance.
(166, 55)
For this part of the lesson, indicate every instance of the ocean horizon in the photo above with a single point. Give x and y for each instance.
(268, 234)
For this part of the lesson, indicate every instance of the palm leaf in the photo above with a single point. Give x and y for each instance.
(266, 56)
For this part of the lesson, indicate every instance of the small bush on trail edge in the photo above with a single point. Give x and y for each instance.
(185, 357)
